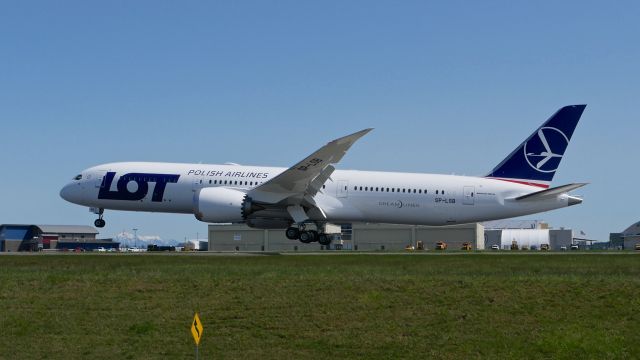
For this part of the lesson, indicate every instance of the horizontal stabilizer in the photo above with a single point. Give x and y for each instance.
(550, 192)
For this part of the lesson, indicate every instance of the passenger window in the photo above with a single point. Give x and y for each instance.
(360, 188)
(436, 192)
(442, 192)
(376, 189)
(393, 189)
(403, 190)
(209, 182)
(366, 188)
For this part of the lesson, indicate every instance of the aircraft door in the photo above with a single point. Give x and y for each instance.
(342, 190)
(197, 183)
(468, 195)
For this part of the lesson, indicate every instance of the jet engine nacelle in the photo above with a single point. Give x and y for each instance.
(220, 205)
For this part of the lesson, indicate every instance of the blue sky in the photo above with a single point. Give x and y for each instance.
(450, 87)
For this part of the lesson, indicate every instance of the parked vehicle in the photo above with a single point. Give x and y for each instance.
(544, 247)
(466, 246)
(154, 247)
(441, 245)
(101, 249)
(495, 247)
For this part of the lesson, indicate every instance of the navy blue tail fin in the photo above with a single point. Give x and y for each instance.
(536, 160)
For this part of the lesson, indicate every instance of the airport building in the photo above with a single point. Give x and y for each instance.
(243, 238)
(626, 240)
(370, 237)
(527, 234)
(361, 237)
(533, 239)
(25, 237)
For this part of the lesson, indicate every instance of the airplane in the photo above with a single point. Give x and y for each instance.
(306, 197)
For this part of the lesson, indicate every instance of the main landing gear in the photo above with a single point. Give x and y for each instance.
(307, 236)
(99, 223)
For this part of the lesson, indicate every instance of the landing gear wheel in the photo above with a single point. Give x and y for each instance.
(292, 233)
(99, 223)
(323, 239)
(308, 236)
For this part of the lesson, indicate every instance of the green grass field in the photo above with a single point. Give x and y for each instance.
(81, 306)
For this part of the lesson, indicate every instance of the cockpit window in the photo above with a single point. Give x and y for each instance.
(78, 177)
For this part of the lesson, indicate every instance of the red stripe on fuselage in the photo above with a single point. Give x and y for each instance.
(524, 183)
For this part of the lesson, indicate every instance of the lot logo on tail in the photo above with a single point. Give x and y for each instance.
(544, 149)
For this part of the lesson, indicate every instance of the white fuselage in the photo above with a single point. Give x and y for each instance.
(348, 196)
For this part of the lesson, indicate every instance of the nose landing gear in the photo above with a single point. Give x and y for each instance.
(99, 223)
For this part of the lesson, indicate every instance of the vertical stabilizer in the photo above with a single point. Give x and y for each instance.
(536, 160)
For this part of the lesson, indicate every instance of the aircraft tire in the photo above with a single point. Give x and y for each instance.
(323, 239)
(292, 233)
(307, 237)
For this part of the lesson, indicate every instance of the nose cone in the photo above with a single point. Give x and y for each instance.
(72, 192)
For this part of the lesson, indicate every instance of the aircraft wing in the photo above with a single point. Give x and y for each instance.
(550, 192)
(305, 179)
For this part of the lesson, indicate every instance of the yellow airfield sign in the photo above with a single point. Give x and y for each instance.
(196, 329)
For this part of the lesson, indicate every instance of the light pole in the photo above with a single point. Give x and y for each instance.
(135, 238)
